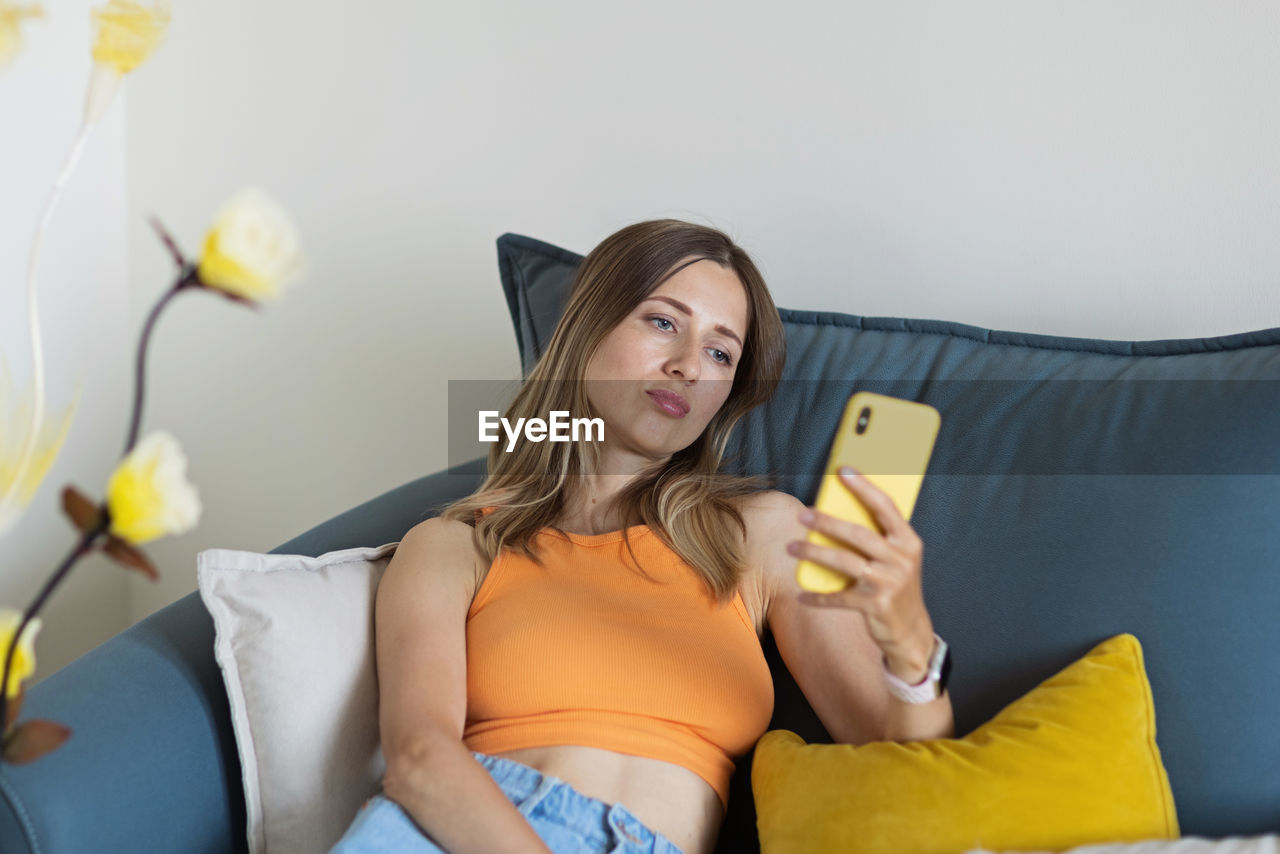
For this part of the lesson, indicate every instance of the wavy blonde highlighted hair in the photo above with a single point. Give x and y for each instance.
(685, 500)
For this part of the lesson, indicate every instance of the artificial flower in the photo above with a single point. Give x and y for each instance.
(18, 482)
(148, 495)
(24, 657)
(251, 251)
(128, 33)
(10, 32)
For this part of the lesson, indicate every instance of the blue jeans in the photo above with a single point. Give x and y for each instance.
(568, 821)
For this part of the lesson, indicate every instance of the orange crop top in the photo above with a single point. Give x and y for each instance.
(586, 650)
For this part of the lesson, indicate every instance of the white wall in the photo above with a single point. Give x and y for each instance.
(1088, 169)
(82, 294)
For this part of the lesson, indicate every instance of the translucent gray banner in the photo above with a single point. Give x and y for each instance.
(988, 427)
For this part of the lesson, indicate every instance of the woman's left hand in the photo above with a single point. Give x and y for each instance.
(886, 573)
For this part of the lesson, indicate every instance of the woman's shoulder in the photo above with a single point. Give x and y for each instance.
(770, 517)
(768, 504)
(764, 514)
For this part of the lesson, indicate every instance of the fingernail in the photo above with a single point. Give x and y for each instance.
(806, 515)
(848, 472)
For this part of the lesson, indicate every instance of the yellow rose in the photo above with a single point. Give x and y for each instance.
(128, 32)
(148, 495)
(24, 657)
(10, 33)
(18, 482)
(252, 249)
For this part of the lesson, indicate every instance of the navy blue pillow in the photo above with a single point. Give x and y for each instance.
(1078, 489)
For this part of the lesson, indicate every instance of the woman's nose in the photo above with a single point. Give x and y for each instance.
(684, 362)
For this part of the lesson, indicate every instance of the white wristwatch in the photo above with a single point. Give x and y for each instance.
(934, 683)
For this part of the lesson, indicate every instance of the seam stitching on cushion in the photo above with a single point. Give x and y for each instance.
(528, 313)
(824, 319)
(506, 272)
(25, 820)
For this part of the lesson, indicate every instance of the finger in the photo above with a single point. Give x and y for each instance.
(882, 508)
(870, 544)
(842, 561)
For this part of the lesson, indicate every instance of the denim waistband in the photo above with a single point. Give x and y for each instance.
(581, 813)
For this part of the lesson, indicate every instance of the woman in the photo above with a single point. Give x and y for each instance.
(569, 659)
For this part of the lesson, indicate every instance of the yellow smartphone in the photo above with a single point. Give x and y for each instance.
(888, 441)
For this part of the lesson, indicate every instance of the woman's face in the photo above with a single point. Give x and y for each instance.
(685, 338)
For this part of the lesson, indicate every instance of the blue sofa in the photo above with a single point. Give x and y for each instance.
(1078, 489)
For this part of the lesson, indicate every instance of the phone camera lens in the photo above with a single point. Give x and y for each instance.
(863, 417)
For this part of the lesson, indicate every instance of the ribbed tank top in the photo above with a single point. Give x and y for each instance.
(586, 650)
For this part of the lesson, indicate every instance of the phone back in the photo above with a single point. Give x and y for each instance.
(888, 440)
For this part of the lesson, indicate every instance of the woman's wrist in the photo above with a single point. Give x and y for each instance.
(911, 665)
(912, 674)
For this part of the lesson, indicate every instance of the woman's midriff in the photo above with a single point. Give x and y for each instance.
(668, 798)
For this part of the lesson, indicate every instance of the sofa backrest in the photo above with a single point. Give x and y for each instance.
(1078, 489)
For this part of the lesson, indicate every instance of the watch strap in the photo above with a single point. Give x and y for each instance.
(931, 686)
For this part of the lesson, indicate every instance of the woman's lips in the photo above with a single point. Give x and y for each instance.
(669, 402)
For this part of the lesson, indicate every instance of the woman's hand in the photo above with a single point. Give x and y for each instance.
(886, 573)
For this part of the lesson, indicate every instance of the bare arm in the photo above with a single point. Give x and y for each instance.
(446, 790)
(420, 645)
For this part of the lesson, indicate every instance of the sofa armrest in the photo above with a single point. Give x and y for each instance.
(151, 764)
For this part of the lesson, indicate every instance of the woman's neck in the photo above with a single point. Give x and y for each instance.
(593, 511)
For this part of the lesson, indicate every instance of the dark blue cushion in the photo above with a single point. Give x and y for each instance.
(1079, 489)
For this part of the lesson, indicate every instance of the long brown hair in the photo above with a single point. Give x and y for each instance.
(685, 500)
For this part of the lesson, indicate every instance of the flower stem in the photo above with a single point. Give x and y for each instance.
(186, 279)
(85, 544)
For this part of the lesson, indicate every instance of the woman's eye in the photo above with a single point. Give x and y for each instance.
(721, 356)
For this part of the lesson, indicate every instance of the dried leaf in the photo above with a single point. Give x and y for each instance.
(130, 556)
(84, 514)
(32, 739)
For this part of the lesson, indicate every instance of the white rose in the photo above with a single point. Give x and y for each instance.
(251, 251)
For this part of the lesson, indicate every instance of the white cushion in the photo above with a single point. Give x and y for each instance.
(295, 646)
(1264, 844)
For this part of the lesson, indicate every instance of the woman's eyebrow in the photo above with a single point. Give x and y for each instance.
(723, 330)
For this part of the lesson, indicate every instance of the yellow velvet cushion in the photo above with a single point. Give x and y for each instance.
(1072, 762)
